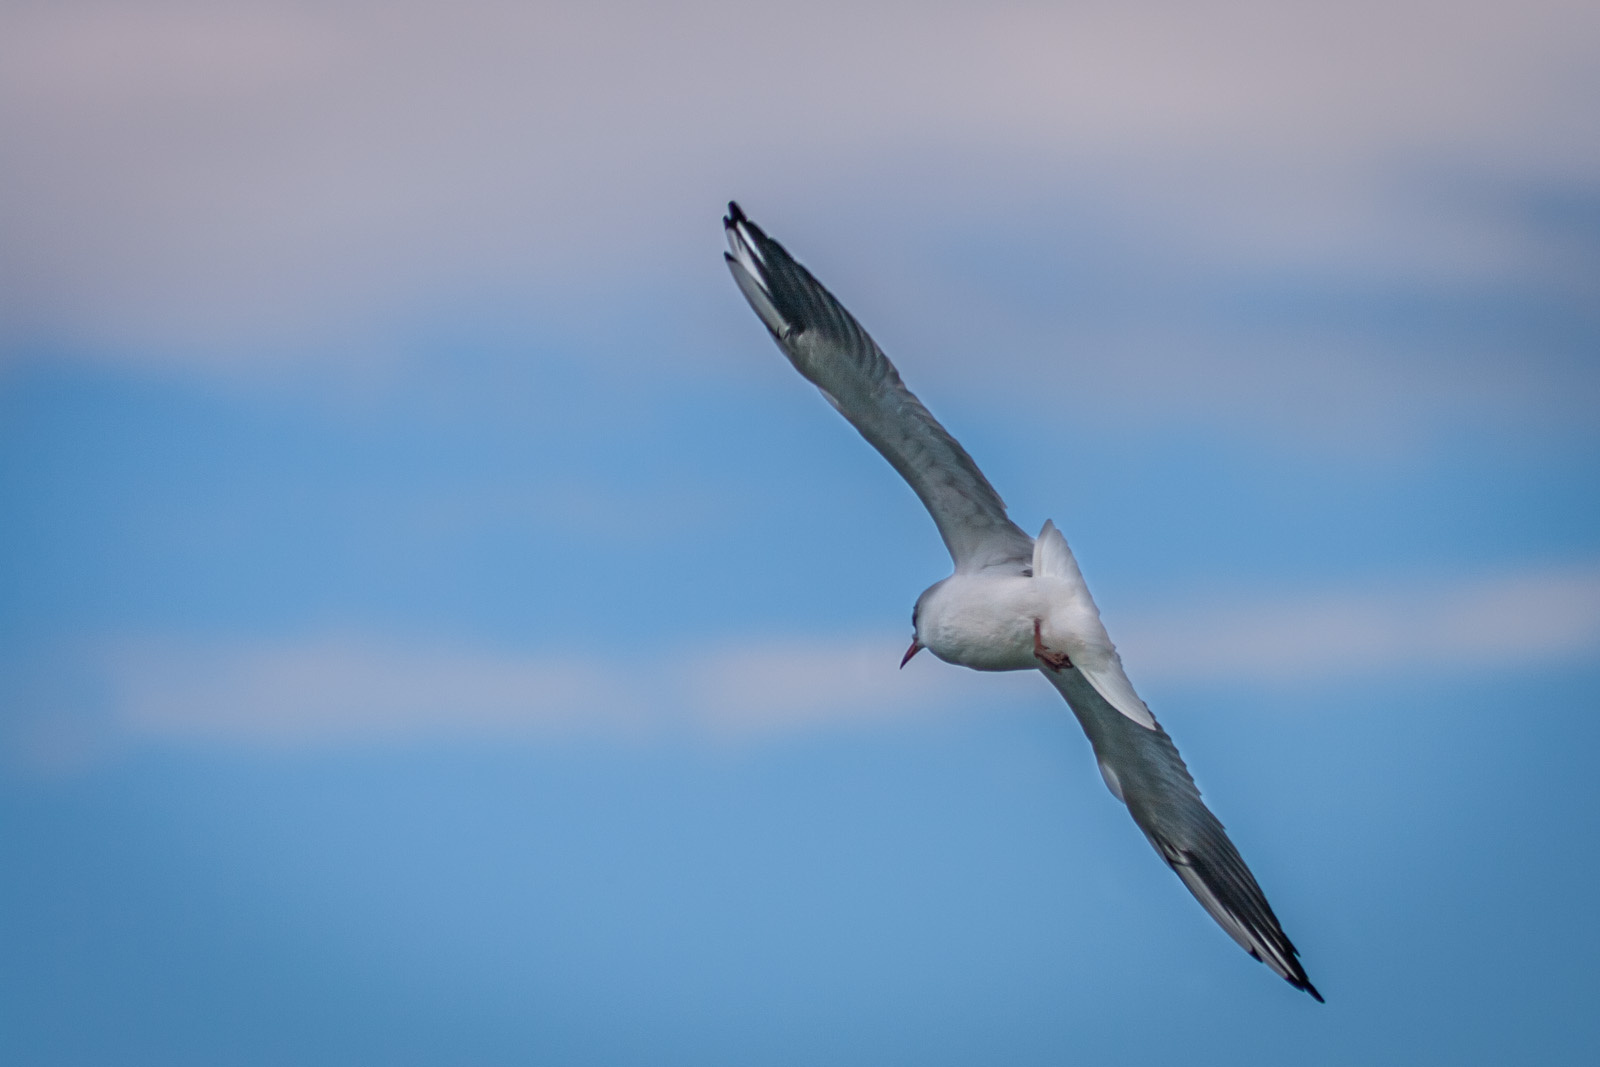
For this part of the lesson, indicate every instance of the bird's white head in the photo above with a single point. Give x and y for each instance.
(917, 644)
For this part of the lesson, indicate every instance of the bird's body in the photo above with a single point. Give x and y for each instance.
(1013, 602)
(984, 621)
(991, 620)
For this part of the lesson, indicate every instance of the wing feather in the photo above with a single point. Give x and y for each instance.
(1143, 770)
(828, 346)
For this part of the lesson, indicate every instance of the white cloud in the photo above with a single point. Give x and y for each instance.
(335, 689)
(1489, 624)
(341, 690)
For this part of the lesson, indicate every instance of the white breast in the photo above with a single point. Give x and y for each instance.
(985, 623)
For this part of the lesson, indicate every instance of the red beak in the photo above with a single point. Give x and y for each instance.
(912, 651)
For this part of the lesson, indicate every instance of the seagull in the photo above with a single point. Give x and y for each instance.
(1013, 602)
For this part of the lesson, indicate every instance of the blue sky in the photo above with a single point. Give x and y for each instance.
(436, 625)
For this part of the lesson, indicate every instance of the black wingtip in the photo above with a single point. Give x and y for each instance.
(1299, 980)
(1297, 974)
(735, 214)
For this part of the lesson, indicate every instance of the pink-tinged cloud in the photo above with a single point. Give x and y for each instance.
(239, 181)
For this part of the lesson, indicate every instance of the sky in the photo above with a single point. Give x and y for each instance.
(438, 627)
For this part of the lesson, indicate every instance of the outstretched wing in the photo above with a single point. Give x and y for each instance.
(828, 347)
(1142, 769)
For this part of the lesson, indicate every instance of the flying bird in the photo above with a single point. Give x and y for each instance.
(1014, 602)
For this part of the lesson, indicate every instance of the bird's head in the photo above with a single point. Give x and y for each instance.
(916, 627)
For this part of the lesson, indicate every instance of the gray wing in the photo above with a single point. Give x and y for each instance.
(1142, 768)
(833, 352)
